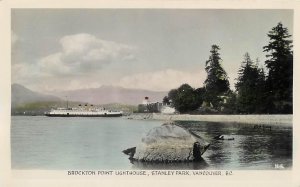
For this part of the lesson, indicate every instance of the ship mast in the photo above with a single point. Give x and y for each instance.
(67, 102)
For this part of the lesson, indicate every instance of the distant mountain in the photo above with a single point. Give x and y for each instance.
(111, 94)
(22, 95)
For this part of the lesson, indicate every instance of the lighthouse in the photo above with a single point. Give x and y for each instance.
(149, 107)
(145, 101)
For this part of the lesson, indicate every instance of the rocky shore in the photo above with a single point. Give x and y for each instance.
(249, 119)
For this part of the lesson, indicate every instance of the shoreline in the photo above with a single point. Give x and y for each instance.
(248, 119)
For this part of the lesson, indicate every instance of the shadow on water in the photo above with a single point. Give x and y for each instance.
(201, 164)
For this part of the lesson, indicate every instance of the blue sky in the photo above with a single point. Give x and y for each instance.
(155, 49)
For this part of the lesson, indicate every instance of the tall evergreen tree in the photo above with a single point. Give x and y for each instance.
(216, 83)
(280, 66)
(249, 87)
(261, 99)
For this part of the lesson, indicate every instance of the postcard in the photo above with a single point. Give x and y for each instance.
(165, 93)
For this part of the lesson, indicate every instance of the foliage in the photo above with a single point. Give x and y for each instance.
(256, 92)
(280, 65)
(166, 100)
(126, 108)
(250, 87)
(185, 98)
(34, 108)
(216, 83)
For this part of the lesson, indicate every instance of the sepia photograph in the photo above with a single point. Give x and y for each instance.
(151, 89)
(151, 93)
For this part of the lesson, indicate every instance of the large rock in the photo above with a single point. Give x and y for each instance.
(168, 143)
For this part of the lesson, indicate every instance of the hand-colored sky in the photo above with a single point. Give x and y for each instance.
(155, 49)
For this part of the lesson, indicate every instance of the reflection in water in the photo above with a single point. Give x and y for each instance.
(254, 149)
(89, 143)
(218, 152)
(202, 164)
(254, 146)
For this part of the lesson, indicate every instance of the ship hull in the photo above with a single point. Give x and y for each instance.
(83, 115)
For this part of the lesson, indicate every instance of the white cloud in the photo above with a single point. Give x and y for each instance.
(84, 53)
(23, 72)
(53, 64)
(163, 80)
(29, 76)
(75, 66)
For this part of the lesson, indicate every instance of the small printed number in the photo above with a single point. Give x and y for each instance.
(279, 166)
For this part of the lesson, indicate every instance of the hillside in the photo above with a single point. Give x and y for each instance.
(28, 102)
(21, 95)
(111, 94)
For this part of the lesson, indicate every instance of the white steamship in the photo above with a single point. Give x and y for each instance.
(83, 112)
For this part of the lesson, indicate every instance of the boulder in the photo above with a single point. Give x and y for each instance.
(168, 143)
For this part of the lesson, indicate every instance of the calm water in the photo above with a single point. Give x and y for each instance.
(96, 143)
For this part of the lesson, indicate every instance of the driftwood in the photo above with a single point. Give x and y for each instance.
(168, 143)
(223, 137)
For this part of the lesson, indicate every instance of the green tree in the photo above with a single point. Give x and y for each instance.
(199, 96)
(216, 83)
(166, 100)
(185, 98)
(249, 86)
(280, 65)
(261, 92)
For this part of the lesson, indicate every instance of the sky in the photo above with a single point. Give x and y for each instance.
(153, 49)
